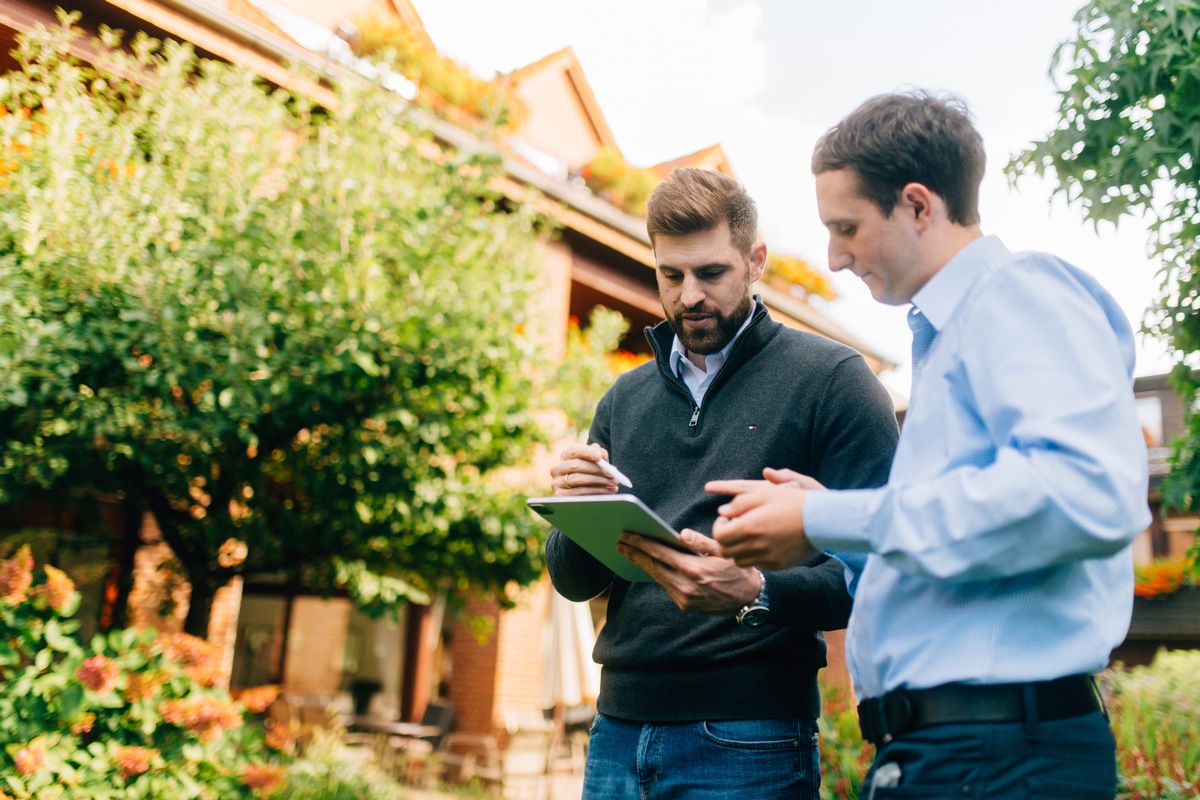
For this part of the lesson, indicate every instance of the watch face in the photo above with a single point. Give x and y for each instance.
(754, 617)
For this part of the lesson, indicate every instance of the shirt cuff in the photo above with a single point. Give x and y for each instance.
(840, 519)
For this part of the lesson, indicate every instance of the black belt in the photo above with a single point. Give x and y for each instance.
(903, 710)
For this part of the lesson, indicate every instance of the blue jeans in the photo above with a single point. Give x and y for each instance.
(761, 759)
(1049, 760)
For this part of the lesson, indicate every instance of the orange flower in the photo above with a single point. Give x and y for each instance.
(84, 723)
(281, 737)
(16, 576)
(1161, 577)
(57, 589)
(206, 716)
(259, 698)
(201, 661)
(263, 777)
(134, 760)
(140, 685)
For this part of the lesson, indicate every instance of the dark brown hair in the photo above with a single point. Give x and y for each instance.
(913, 137)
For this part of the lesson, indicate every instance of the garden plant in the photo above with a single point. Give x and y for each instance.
(129, 715)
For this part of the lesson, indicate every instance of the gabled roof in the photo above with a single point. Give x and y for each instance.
(551, 87)
(710, 158)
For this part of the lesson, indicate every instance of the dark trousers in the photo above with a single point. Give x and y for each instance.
(1066, 759)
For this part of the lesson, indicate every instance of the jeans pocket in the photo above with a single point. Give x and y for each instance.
(758, 734)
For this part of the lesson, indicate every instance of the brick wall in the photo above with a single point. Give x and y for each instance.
(499, 678)
(472, 684)
(520, 662)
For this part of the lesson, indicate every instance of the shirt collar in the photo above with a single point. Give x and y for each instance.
(713, 361)
(943, 293)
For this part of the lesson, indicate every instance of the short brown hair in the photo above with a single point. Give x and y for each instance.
(693, 200)
(911, 137)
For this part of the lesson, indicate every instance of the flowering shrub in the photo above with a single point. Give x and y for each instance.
(610, 177)
(1162, 576)
(129, 715)
(845, 758)
(1156, 720)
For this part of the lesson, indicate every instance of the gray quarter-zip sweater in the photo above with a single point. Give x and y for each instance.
(786, 399)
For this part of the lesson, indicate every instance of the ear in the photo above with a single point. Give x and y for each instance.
(919, 201)
(758, 261)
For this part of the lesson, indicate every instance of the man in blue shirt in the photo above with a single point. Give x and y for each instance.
(999, 574)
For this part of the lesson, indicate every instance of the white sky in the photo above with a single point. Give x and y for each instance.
(764, 78)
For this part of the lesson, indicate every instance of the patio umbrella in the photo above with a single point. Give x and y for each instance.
(569, 676)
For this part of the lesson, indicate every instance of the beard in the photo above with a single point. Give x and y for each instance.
(710, 341)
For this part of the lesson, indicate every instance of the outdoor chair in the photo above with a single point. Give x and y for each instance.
(407, 748)
(518, 769)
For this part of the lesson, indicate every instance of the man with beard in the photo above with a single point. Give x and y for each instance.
(709, 680)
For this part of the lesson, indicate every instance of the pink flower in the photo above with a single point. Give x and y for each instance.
(98, 673)
(134, 760)
(84, 723)
(57, 589)
(16, 575)
(30, 759)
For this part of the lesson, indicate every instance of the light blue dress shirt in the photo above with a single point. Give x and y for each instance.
(999, 548)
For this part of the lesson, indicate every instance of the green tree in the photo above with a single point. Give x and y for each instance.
(292, 335)
(1128, 143)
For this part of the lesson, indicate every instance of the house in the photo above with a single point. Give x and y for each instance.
(317, 647)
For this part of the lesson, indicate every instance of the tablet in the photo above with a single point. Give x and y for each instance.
(595, 521)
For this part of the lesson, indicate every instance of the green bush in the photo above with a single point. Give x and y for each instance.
(1156, 719)
(130, 716)
(325, 773)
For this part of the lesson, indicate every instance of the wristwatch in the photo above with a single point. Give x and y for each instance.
(757, 611)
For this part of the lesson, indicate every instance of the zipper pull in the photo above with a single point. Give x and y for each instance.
(695, 417)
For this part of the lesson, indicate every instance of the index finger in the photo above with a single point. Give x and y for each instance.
(733, 486)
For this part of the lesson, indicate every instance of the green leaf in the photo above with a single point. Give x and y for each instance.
(56, 639)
